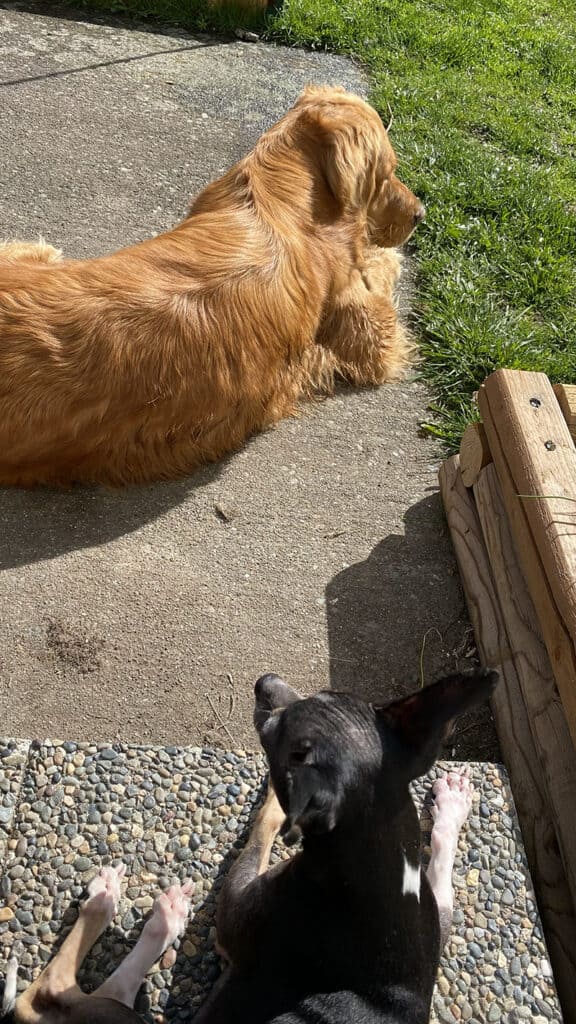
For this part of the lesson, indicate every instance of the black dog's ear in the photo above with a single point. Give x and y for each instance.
(423, 721)
(311, 804)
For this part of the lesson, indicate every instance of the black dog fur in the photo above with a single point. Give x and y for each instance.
(329, 937)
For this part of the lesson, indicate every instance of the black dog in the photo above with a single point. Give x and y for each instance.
(350, 929)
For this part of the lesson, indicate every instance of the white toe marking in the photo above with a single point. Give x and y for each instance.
(411, 879)
(10, 986)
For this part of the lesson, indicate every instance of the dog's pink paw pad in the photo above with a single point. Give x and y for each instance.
(104, 889)
(452, 803)
(170, 914)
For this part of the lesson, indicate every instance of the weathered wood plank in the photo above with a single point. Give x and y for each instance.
(552, 741)
(474, 453)
(536, 464)
(515, 735)
(566, 396)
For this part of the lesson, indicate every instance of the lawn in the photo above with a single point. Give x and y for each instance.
(483, 95)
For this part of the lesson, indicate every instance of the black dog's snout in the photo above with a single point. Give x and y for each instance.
(272, 694)
(264, 685)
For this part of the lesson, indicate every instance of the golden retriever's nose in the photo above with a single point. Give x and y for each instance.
(419, 215)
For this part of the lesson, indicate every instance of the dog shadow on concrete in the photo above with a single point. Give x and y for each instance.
(397, 621)
(381, 612)
(42, 523)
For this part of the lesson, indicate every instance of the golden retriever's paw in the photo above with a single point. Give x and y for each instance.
(381, 269)
(399, 356)
(29, 252)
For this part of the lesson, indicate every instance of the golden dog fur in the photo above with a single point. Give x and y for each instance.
(146, 363)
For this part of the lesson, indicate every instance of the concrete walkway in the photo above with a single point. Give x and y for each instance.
(318, 551)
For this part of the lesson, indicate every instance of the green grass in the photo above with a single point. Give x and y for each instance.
(196, 15)
(484, 101)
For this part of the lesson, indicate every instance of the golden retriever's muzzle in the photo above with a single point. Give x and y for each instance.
(395, 214)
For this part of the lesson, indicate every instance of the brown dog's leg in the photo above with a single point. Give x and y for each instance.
(255, 856)
(167, 922)
(235, 902)
(57, 986)
(453, 800)
(362, 330)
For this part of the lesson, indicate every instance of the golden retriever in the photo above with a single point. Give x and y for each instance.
(143, 364)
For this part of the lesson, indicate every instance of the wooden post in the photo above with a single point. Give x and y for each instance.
(566, 395)
(515, 735)
(536, 464)
(474, 453)
(552, 742)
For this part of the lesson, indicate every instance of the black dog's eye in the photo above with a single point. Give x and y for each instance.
(301, 754)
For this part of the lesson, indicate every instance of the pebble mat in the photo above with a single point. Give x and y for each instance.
(172, 813)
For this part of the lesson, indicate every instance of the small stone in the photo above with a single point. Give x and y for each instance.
(515, 967)
(545, 969)
(6, 914)
(169, 959)
(443, 985)
(545, 1009)
(473, 876)
(144, 902)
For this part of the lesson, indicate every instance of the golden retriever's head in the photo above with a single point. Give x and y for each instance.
(358, 163)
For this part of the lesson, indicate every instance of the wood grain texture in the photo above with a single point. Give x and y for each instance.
(474, 453)
(550, 733)
(514, 732)
(566, 397)
(536, 464)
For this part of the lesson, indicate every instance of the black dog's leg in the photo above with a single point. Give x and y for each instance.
(242, 895)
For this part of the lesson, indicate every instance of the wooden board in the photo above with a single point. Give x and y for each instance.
(566, 396)
(552, 741)
(536, 464)
(515, 735)
(474, 453)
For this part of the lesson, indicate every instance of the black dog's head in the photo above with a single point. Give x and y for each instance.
(329, 751)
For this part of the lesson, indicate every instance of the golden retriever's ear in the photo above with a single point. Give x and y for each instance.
(347, 147)
(319, 92)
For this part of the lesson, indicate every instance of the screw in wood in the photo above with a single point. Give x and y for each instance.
(535, 402)
(549, 446)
